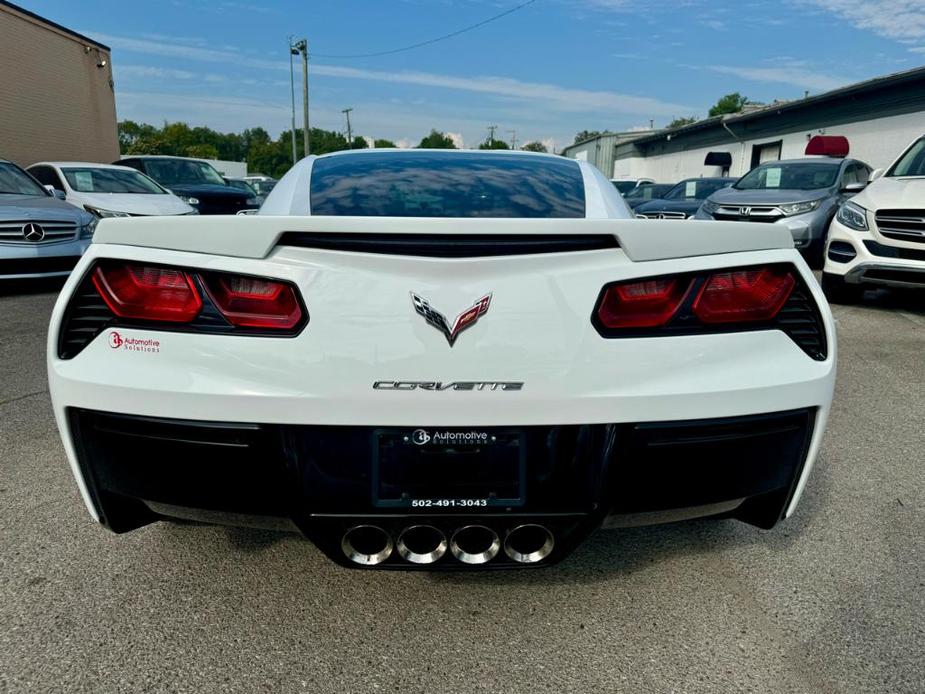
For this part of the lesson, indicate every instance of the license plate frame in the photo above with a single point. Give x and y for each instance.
(448, 468)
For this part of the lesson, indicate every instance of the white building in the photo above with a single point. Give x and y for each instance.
(879, 117)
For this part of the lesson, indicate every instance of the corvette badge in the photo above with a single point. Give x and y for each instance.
(464, 320)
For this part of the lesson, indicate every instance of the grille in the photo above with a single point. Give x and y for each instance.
(755, 214)
(902, 225)
(894, 251)
(663, 215)
(450, 245)
(11, 231)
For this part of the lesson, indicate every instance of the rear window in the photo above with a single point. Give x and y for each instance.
(438, 184)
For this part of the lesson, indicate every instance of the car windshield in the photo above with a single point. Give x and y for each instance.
(912, 163)
(171, 172)
(797, 176)
(694, 189)
(438, 184)
(263, 187)
(242, 185)
(99, 180)
(13, 181)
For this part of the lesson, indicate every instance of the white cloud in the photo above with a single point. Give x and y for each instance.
(136, 71)
(792, 75)
(550, 96)
(457, 139)
(903, 20)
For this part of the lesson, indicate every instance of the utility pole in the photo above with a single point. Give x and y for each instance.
(292, 52)
(301, 46)
(491, 134)
(346, 112)
(513, 138)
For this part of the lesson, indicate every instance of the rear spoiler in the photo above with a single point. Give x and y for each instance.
(255, 236)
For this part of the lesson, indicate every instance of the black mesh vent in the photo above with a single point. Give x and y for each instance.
(450, 245)
(800, 319)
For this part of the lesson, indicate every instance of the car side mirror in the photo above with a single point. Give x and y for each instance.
(875, 174)
(59, 194)
(856, 187)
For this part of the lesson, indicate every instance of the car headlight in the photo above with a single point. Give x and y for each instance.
(100, 213)
(853, 216)
(709, 207)
(799, 207)
(251, 201)
(86, 231)
(189, 200)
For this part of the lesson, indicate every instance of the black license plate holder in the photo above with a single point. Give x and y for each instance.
(449, 469)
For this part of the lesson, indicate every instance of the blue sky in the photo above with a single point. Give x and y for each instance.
(547, 71)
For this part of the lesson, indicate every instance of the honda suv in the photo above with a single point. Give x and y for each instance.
(801, 194)
(878, 237)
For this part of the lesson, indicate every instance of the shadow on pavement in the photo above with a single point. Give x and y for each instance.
(34, 286)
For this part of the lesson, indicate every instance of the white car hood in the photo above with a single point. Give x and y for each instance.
(133, 203)
(893, 193)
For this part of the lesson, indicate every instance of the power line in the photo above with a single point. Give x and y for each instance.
(428, 41)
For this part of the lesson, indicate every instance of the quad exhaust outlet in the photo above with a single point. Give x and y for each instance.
(529, 544)
(475, 544)
(421, 544)
(367, 545)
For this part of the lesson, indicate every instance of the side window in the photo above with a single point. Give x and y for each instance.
(134, 163)
(47, 176)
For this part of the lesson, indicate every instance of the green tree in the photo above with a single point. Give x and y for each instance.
(731, 103)
(359, 143)
(494, 144)
(681, 122)
(535, 146)
(380, 142)
(586, 135)
(437, 140)
(202, 152)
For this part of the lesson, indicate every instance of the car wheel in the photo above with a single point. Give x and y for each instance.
(837, 291)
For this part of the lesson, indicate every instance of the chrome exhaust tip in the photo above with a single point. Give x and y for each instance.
(528, 544)
(366, 544)
(421, 544)
(475, 544)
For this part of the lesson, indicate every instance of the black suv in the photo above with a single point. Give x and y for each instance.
(195, 181)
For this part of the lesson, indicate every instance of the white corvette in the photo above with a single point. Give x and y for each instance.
(432, 359)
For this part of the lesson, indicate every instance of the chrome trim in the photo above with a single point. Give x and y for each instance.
(858, 275)
(533, 556)
(483, 557)
(358, 557)
(11, 231)
(421, 557)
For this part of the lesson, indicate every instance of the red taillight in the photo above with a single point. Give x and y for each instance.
(645, 304)
(250, 302)
(753, 294)
(147, 292)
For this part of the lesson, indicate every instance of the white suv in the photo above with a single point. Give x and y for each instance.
(878, 237)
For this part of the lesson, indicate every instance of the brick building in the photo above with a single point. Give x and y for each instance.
(56, 92)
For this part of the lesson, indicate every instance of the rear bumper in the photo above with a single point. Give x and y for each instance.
(322, 479)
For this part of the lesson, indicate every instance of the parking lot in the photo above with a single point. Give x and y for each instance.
(831, 601)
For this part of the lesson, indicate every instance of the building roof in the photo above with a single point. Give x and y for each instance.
(851, 90)
(85, 39)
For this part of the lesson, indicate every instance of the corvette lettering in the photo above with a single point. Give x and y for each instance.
(464, 320)
(452, 385)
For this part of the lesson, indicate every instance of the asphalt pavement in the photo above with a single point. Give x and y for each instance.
(833, 600)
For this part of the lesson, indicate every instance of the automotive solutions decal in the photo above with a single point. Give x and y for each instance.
(132, 344)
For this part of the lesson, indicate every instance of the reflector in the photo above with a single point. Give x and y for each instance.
(254, 303)
(754, 294)
(148, 292)
(645, 304)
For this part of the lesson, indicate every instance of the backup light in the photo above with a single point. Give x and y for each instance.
(253, 302)
(753, 294)
(146, 292)
(646, 304)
